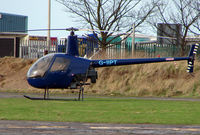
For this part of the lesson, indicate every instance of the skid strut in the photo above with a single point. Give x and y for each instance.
(81, 94)
(46, 93)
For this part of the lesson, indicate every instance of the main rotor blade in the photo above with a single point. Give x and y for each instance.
(46, 29)
(68, 29)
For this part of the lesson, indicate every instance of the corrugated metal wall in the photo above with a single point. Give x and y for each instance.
(13, 23)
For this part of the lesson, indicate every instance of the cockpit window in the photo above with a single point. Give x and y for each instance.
(39, 68)
(60, 64)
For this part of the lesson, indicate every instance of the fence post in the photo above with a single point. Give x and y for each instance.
(133, 38)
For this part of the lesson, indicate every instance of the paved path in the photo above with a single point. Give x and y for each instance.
(21, 95)
(67, 128)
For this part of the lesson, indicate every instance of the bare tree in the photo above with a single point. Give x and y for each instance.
(179, 12)
(195, 29)
(108, 16)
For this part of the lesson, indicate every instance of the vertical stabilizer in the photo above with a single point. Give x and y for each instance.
(192, 53)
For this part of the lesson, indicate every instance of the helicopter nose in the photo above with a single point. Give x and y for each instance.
(36, 82)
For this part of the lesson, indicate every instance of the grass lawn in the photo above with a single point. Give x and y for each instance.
(102, 110)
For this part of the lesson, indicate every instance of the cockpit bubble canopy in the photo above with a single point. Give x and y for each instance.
(39, 68)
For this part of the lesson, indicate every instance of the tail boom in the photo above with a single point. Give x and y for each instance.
(120, 62)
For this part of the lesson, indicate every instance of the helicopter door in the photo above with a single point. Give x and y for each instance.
(57, 75)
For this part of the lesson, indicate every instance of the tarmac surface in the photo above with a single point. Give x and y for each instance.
(68, 128)
(8, 127)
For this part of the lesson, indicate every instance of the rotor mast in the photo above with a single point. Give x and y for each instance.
(72, 43)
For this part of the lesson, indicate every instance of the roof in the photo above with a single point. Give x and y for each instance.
(12, 14)
(13, 34)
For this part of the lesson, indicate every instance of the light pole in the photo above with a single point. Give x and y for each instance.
(49, 25)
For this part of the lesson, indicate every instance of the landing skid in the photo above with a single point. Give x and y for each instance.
(46, 96)
(56, 99)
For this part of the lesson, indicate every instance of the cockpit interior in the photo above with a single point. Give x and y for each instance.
(51, 63)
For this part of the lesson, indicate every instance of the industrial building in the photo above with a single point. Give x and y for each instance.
(169, 33)
(12, 28)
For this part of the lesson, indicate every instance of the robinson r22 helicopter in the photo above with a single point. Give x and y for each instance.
(68, 70)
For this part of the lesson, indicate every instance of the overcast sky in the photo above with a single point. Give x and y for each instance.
(37, 12)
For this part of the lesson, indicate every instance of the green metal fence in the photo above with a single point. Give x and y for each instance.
(161, 50)
(146, 49)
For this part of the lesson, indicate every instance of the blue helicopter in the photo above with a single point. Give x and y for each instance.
(69, 71)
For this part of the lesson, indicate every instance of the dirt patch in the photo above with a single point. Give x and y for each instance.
(161, 79)
(1, 77)
(13, 73)
(156, 79)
